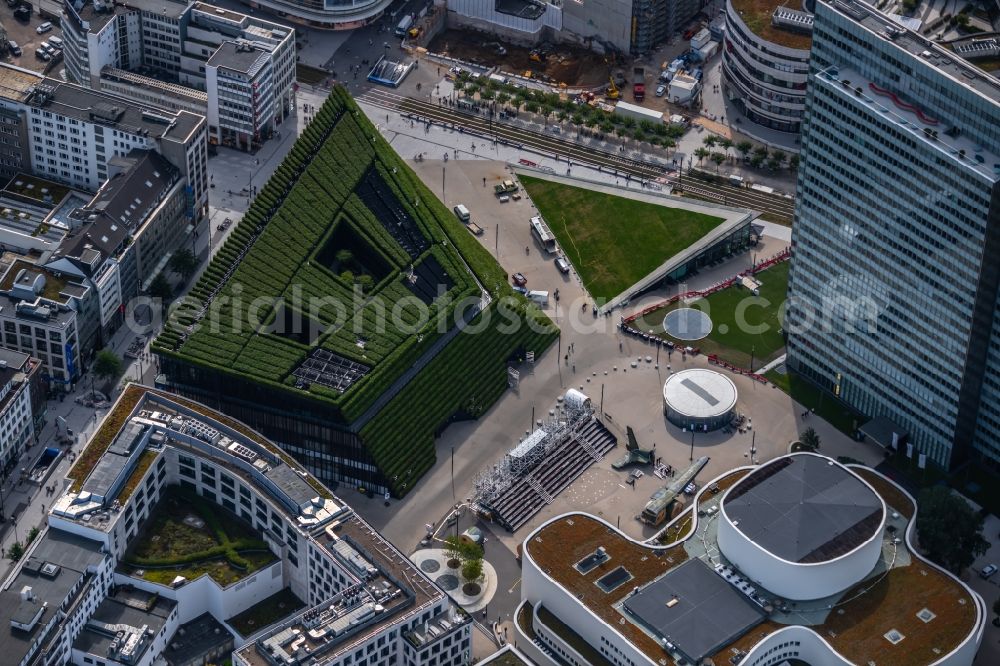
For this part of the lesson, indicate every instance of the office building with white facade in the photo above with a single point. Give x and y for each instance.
(19, 395)
(764, 68)
(798, 560)
(236, 69)
(365, 602)
(894, 277)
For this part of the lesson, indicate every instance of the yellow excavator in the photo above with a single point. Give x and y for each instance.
(613, 92)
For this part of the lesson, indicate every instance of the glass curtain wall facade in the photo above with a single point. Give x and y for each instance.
(896, 241)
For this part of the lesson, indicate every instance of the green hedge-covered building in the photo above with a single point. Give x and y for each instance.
(349, 316)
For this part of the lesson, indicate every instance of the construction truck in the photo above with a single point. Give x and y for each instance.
(613, 92)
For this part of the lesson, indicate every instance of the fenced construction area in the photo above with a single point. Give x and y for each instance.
(364, 285)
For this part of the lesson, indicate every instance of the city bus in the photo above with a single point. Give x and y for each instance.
(543, 235)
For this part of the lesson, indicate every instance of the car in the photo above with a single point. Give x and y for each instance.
(520, 290)
(504, 198)
(661, 90)
(41, 54)
(519, 279)
(15, 50)
(56, 42)
(44, 28)
(562, 264)
(23, 13)
(48, 48)
(988, 570)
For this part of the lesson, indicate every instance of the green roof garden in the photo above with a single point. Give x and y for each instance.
(340, 289)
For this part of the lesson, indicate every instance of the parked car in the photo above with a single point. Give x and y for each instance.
(43, 28)
(661, 90)
(562, 264)
(23, 13)
(988, 570)
(41, 54)
(15, 50)
(56, 42)
(519, 279)
(48, 48)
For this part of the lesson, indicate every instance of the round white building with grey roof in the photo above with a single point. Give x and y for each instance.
(699, 398)
(803, 526)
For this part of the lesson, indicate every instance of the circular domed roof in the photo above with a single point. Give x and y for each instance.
(699, 393)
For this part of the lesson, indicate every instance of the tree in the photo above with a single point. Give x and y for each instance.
(793, 162)
(744, 148)
(718, 159)
(472, 570)
(950, 531)
(32, 534)
(15, 552)
(701, 154)
(502, 99)
(107, 365)
(809, 439)
(161, 288)
(773, 164)
(760, 151)
(710, 140)
(183, 262)
(778, 156)
(756, 160)
(725, 144)
(366, 282)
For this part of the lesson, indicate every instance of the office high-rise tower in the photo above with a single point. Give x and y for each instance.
(896, 262)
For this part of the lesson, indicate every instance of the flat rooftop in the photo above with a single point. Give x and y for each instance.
(945, 60)
(102, 108)
(54, 567)
(241, 56)
(757, 15)
(694, 608)
(134, 612)
(804, 509)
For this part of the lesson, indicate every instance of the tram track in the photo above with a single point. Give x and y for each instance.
(777, 208)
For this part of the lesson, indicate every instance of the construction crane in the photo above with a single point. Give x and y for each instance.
(613, 92)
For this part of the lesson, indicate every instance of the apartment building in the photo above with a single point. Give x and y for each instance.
(236, 69)
(894, 277)
(21, 392)
(76, 598)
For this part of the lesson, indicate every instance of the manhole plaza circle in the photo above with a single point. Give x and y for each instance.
(447, 582)
(687, 324)
(430, 566)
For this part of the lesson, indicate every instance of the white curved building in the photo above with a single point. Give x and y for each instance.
(700, 399)
(803, 526)
(764, 68)
(326, 14)
(592, 595)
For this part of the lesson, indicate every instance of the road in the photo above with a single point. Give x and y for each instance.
(775, 207)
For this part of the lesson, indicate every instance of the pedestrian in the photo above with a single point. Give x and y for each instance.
(484, 182)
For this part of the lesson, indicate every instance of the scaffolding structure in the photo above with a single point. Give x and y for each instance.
(519, 461)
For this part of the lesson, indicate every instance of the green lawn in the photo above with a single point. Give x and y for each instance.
(742, 324)
(172, 544)
(614, 242)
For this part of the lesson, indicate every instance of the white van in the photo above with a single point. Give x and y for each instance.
(540, 297)
(57, 42)
(462, 213)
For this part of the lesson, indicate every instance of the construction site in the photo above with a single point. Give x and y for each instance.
(552, 63)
